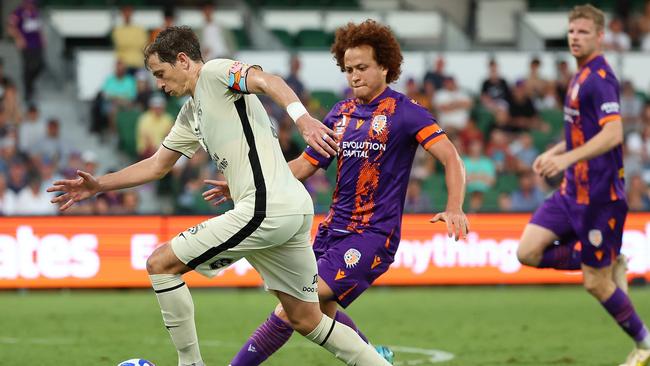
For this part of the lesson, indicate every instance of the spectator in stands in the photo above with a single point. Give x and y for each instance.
(528, 196)
(129, 40)
(549, 98)
(33, 199)
(631, 107)
(143, 90)
(637, 153)
(8, 152)
(47, 170)
(495, 93)
(504, 201)
(294, 81)
(470, 133)
(152, 127)
(168, 21)
(416, 200)
(498, 151)
(563, 78)
(7, 198)
(17, 175)
(10, 112)
(480, 172)
(130, 202)
(31, 130)
(217, 41)
(52, 146)
(290, 148)
(118, 91)
(643, 27)
(535, 84)
(523, 114)
(453, 106)
(637, 194)
(615, 37)
(25, 26)
(523, 149)
(437, 75)
(414, 92)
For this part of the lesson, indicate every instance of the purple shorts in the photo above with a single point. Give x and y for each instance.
(598, 226)
(350, 262)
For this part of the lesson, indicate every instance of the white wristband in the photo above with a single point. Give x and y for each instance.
(296, 110)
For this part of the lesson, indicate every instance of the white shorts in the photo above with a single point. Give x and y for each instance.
(279, 248)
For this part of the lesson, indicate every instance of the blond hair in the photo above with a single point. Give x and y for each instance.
(588, 11)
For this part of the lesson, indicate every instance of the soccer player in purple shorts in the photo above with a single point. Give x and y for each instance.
(378, 132)
(590, 206)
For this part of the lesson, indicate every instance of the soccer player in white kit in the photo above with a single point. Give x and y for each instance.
(271, 222)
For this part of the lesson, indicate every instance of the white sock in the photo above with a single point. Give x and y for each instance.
(345, 343)
(177, 311)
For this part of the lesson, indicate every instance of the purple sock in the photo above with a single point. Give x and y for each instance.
(561, 257)
(620, 308)
(266, 339)
(343, 318)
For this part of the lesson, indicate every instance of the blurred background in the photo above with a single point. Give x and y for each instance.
(74, 94)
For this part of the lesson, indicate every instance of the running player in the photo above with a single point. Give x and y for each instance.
(269, 230)
(590, 205)
(379, 131)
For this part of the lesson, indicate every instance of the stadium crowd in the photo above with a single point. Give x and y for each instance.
(498, 132)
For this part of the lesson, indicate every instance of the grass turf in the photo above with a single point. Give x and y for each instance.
(479, 325)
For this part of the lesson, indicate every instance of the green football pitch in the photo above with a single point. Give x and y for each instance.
(426, 326)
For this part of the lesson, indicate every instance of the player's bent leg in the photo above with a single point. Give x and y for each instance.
(175, 301)
(534, 240)
(338, 338)
(599, 283)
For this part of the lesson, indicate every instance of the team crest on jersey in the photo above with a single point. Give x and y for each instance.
(595, 237)
(352, 257)
(379, 123)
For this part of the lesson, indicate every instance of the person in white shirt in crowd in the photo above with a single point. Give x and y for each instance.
(216, 40)
(34, 199)
(615, 37)
(453, 106)
(31, 130)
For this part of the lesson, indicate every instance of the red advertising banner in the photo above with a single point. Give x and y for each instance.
(89, 252)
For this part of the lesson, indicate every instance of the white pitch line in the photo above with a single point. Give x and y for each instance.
(431, 355)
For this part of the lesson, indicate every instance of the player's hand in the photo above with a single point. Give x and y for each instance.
(318, 136)
(457, 223)
(220, 193)
(74, 190)
(539, 161)
(553, 165)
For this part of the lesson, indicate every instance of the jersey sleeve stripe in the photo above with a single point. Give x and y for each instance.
(610, 118)
(311, 160)
(433, 141)
(169, 148)
(426, 132)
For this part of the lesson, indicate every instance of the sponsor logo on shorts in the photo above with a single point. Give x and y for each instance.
(220, 263)
(352, 257)
(195, 229)
(595, 237)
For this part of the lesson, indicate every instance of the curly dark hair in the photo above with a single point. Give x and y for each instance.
(382, 40)
(172, 41)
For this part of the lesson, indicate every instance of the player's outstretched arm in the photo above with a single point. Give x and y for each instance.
(302, 168)
(316, 134)
(86, 186)
(454, 217)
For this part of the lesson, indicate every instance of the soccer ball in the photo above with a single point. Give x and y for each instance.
(136, 362)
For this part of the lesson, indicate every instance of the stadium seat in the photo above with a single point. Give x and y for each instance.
(284, 37)
(484, 119)
(541, 140)
(127, 123)
(490, 201)
(506, 183)
(313, 38)
(325, 98)
(555, 118)
(241, 38)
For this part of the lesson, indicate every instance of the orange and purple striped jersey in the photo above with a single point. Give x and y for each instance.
(592, 101)
(378, 141)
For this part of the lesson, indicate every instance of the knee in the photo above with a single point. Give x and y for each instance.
(527, 256)
(158, 262)
(280, 313)
(598, 287)
(306, 320)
